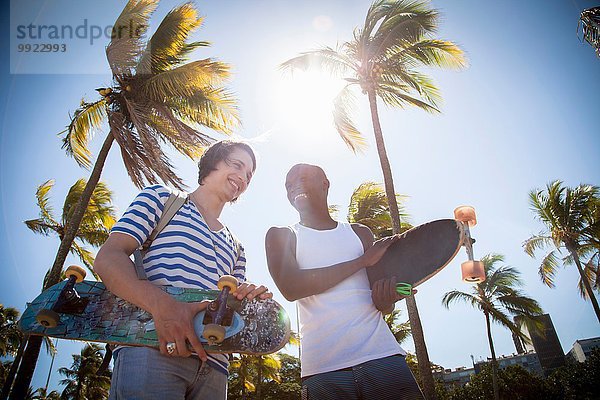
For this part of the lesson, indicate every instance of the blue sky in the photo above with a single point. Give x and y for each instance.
(524, 113)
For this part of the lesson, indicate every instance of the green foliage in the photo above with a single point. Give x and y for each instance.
(81, 380)
(10, 335)
(498, 296)
(574, 381)
(98, 218)
(514, 383)
(369, 206)
(578, 381)
(287, 388)
(157, 96)
(572, 222)
(4, 368)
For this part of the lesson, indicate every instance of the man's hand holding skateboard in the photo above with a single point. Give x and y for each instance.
(174, 321)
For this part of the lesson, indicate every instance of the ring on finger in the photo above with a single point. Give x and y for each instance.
(171, 347)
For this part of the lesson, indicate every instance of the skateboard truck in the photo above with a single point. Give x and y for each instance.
(403, 289)
(218, 313)
(472, 271)
(68, 302)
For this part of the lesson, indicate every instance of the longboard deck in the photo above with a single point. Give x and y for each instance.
(109, 319)
(420, 253)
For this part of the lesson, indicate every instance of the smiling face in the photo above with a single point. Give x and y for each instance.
(233, 174)
(227, 166)
(305, 185)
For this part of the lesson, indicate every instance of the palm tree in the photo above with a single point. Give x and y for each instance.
(590, 22)
(401, 330)
(98, 219)
(81, 380)
(10, 335)
(155, 98)
(369, 206)
(497, 297)
(382, 59)
(11, 344)
(41, 394)
(572, 220)
(252, 371)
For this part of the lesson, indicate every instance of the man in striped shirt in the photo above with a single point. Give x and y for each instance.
(194, 250)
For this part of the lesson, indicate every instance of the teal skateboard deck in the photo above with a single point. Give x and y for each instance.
(256, 327)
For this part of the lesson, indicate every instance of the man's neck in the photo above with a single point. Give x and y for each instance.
(321, 221)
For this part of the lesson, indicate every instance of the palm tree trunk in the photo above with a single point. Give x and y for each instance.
(586, 282)
(13, 368)
(26, 368)
(494, 362)
(32, 352)
(259, 379)
(411, 304)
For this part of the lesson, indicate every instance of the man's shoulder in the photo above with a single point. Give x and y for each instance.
(360, 228)
(279, 233)
(280, 230)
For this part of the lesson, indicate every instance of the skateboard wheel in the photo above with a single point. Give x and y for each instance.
(228, 281)
(214, 333)
(465, 214)
(473, 271)
(47, 318)
(76, 271)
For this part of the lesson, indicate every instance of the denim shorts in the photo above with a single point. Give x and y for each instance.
(384, 378)
(144, 373)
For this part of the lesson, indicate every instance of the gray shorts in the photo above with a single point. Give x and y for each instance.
(384, 378)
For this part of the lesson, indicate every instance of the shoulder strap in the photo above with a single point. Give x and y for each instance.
(175, 201)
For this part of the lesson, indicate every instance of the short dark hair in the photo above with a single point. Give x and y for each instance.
(218, 152)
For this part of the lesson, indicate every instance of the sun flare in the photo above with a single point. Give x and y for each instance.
(305, 100)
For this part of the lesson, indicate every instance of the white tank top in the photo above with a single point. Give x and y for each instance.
(340, 327)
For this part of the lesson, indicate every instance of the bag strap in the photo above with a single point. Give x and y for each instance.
(175, 201)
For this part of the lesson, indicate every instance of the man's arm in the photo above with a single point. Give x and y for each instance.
(173, 319)
(295, 283)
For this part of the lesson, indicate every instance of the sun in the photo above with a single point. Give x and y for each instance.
(304, 99)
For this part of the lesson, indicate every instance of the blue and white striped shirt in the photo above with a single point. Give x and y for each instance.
(186, 253)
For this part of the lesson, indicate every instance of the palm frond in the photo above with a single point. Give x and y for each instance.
(86, 257)
(41, 226)
(99, 214)
(176, 133)
(42, 195)
(428, 52)
(167, 47)
(536, 242)
(342, 106)
(125, 46)
(184, 81)
(144, 159)
(404, 22)
(86, 120)
(333, 210)
(408, 82)
(388, 20)
(455, 296)
(214, 108)
(325, 59)
(591, 272)
(392, 96)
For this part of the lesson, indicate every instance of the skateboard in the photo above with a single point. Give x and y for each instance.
(425, 250)
(85, 310)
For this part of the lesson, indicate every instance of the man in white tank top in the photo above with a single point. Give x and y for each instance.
(347, 350)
